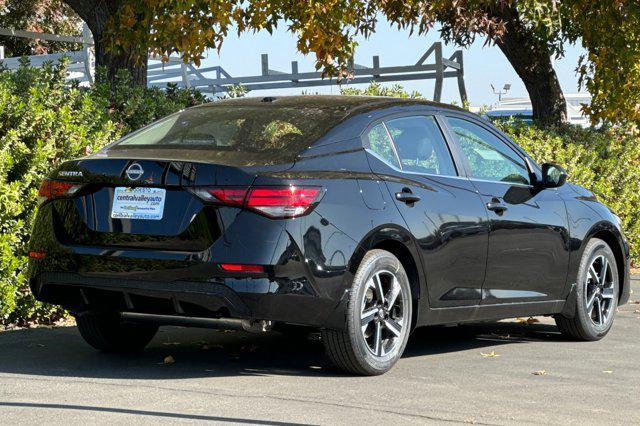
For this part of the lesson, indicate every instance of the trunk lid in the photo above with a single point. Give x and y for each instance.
(186, 222)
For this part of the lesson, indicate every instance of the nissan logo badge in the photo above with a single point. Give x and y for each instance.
(134, 171)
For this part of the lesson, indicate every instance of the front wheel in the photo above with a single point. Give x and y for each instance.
(596, 294)
(378, 318)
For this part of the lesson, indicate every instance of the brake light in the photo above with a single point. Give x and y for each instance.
(237, 267)
(51, 189)
(272, 201)
(289, 201)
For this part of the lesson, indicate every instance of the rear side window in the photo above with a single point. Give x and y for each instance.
(381, 144)
(421, 146)
(262, 133)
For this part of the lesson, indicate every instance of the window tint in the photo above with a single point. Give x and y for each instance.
(421, 146)
(258, 134)
(488, 157)
(380, 143)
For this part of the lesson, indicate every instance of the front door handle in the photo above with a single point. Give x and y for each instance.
(407, 197)
(496, 206)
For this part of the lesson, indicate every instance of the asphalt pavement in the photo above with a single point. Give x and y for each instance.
(505, 372)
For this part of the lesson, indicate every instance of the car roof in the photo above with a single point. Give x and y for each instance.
(349, 103)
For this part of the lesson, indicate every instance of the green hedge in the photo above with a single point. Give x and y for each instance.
(44, 121)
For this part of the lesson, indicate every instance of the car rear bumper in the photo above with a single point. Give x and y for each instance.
(238, 298)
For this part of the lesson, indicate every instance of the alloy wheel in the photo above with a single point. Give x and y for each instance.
(599, 291)
(383, 314)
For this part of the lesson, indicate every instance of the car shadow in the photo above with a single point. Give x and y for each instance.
(178, 353)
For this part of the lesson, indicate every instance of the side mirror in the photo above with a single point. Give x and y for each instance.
(553, 175)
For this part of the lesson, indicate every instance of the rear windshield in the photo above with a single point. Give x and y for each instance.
(261, 134)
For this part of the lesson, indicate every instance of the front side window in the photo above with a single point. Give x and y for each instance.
(489, 158)
(421, 146)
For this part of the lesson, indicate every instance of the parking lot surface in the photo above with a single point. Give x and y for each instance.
(505, 372)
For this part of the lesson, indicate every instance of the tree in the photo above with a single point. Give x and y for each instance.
(528, 32)
(525, 31)
(50, 16)
(610, 31)
(100, 17)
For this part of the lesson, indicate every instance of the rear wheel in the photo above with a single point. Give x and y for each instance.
(108, 333)
(596, 294)
(378, 318)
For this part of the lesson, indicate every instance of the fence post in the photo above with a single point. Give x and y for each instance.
(185, 74)
(437, 91)
(88, 53)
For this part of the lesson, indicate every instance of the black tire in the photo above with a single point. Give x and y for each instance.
(350, 349)
(585, 324)
(108, 333)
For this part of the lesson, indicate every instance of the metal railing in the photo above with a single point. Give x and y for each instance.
(215, 79)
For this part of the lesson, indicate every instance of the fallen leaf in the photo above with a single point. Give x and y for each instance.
(500, 336)
(607, 371)
(532, 320)
(635, 302)
(169, 360)
(493, 354)
(540, 373)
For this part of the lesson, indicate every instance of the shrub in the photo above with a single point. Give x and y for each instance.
(45, 121)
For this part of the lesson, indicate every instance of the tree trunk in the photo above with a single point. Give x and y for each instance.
(135, 65)
(96, 14)
(532, 61)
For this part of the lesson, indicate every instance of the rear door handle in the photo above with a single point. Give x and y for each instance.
(407, 197)
(496, 206)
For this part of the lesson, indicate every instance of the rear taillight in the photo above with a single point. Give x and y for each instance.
(232, 196)
(51, 189)
(272, 201)
(289, 201)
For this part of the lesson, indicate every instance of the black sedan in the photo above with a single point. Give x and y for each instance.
(362, 217)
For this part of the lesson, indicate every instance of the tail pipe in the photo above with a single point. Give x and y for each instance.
(251, 326)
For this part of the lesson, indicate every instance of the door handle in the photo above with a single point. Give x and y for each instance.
(407, 197)
(496, 206)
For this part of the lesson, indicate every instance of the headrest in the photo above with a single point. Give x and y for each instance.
(414, 144)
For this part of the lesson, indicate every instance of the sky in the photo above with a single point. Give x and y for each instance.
(484, 65)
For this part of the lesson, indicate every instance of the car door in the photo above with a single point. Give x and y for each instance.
(529, 240)
(441, 209)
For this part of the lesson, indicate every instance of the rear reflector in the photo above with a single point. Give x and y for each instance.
(272, 201)
(37, 254)
(237, 267)
(51, 189)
